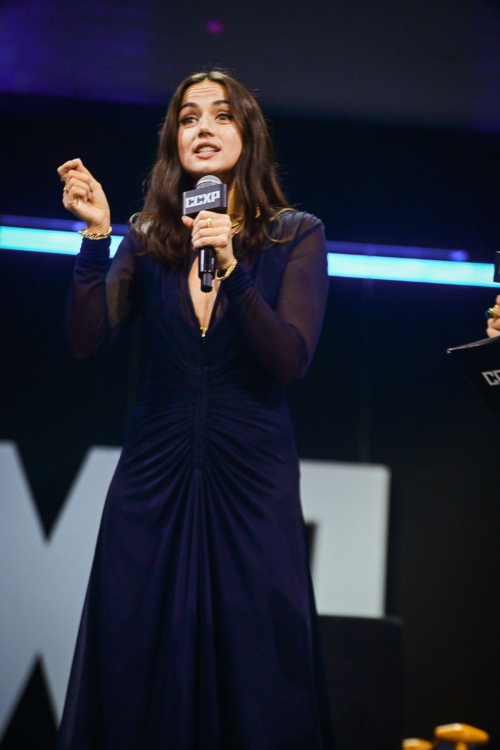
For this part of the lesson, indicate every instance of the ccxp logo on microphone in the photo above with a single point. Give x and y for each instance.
(201, 200)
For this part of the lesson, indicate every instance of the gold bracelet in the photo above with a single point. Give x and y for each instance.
(93, 236)
(227, 271)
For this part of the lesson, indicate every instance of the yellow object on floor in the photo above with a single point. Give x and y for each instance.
(461, 735)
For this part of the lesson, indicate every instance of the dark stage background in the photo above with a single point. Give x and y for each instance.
(381, 388)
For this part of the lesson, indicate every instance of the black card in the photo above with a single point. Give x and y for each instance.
(480, 361)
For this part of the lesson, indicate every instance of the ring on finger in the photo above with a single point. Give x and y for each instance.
(209, 222)
(492, 312)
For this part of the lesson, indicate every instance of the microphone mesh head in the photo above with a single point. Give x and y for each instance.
(208, 181)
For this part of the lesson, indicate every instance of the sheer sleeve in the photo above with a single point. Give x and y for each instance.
(103, 297)
(284, 340)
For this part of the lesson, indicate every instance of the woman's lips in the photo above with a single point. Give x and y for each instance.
(205, 154)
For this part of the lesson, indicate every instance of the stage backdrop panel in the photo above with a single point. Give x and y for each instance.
(348, 505)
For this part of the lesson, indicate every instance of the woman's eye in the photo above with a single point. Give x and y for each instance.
(187, 120)
(225, 116)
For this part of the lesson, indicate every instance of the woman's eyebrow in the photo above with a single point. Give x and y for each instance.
(193, 104)
(187, 104)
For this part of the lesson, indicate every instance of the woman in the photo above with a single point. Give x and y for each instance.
(199, 628)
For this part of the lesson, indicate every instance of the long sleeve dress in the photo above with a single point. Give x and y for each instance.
(199, 629)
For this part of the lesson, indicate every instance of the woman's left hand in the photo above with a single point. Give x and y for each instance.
(212, 229)
(493, 327)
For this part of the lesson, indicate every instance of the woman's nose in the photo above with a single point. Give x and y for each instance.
(204, 126)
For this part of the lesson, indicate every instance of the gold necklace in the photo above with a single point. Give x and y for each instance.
(204, 328)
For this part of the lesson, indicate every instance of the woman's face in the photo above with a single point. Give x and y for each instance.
(208, 138)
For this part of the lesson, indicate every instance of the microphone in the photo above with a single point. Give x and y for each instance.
(210, 194)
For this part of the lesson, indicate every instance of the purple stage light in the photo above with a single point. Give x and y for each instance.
(459, 255)
(215, 27)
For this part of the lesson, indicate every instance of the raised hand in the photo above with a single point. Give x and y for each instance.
(84, 196)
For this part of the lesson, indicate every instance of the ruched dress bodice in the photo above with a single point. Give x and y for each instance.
(199, 629)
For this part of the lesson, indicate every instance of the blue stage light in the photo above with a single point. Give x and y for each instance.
(45, 240)
(411, 269)
(371, 266)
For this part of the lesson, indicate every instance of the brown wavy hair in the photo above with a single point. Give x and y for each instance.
(255, 178)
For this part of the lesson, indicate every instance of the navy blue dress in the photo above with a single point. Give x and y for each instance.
(199, 628)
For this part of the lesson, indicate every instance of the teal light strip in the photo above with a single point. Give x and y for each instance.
(339, 264)
(411, 269)
(45, 241)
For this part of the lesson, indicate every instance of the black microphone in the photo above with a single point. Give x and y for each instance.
(210, 195)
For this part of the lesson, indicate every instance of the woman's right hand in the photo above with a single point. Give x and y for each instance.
(493, 327)
(84, 196)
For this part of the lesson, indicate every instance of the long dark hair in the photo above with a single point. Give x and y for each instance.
(255, 180)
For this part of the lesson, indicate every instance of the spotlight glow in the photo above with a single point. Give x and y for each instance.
(215, 27)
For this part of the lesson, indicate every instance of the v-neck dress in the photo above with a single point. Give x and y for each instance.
(199, 629)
